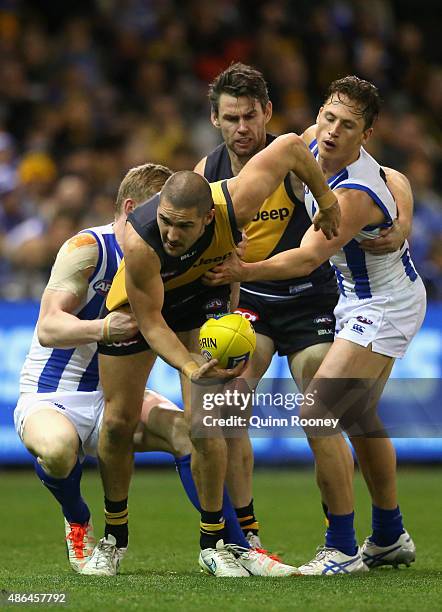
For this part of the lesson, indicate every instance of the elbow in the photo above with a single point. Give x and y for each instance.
(295, 142)
(44, 336)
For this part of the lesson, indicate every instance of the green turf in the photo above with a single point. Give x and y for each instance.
(160, 572)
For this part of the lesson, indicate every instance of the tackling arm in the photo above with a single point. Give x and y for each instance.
(267, 169)
(400, 187)
(391, 239)
(357, 211)
(66, 291)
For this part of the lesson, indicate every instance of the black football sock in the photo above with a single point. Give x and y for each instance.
(116, 517)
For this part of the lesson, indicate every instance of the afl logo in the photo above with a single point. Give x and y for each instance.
(102, 286)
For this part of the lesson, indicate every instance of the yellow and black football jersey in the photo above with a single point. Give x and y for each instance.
(278, 226)
(182, 275)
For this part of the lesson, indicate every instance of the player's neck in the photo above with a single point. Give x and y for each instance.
(331, 166)
(237, 163)
(119, 224)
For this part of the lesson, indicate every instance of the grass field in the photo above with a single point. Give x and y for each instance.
(160, 571)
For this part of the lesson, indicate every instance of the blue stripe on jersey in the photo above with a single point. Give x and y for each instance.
(89, 380)
(100, 254)
(374, 197)
(356, 262)
(53, 370)
(339, 278)
(409, 270)
(92, 310)
(342, 175)
(312, 144)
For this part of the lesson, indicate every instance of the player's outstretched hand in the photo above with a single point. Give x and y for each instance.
(328, 221)
(232, 270)
(390, 239)
(209, 373)
(119, 326)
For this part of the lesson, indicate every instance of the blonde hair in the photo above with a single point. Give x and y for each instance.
(141, 183)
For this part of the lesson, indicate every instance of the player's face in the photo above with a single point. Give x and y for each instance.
(242, 122)
(340, 130)
(180, 228)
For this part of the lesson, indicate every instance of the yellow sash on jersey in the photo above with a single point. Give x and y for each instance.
(221, 246)
(268, 226)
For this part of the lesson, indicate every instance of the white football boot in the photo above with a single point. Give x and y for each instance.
(259, 562)
(402, 551)
(221, 562)
(80, 542)
(331, 562)
(105, 560)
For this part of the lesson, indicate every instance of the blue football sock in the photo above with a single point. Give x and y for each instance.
(67, 492)
(387, 526)
(340, 533)
(233, 531)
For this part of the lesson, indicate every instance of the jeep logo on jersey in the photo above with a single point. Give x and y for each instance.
(211, 260)
(247, 314)
(102, 286)
(364, 320)
(275, 213)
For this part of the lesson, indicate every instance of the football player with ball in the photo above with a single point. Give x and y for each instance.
(170, 242)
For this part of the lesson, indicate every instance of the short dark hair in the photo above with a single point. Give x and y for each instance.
(141, 183)
(187, 189)
(239, 80)
(363, 93)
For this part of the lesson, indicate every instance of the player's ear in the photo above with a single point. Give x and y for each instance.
(366, 135)
(128, 206)
(268, 111)
(209, 216)
(319, 112)
(215, 119)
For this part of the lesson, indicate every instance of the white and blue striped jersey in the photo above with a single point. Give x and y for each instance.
(359, 274)
(47, 370)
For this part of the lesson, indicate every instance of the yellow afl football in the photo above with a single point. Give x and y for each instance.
(230, 339)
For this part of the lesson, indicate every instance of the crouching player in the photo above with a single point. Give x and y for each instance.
(60, 409)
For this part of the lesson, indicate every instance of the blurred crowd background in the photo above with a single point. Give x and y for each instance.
(91, 88)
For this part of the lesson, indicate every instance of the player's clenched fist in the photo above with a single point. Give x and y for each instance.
(118, 326)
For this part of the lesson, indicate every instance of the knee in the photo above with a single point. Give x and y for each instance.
(58, 456)
(179, 436)
(118, 428)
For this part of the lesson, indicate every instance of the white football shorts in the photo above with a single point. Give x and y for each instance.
(388, 323)
(83, 408)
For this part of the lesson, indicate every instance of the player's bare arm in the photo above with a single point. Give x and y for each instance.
(392, 238)
(145, 291)
(357, 212)
(66, 291)
(267, 169)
